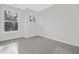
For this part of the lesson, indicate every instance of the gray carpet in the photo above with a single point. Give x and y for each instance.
(41, 45)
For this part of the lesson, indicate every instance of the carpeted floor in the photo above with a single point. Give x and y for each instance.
(40, 45)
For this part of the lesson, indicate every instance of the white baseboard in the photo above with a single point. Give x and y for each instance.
(57, 39)
(53, 38)
(10, 38)
(30, 36)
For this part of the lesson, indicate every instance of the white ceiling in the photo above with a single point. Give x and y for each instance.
(35, 7)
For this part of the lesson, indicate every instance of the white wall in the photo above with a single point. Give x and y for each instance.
(12, 34)
(31, 28)
(60, 23)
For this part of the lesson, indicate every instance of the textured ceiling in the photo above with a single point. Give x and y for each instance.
(35, 7)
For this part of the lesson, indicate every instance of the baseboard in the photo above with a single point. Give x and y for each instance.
(53, 38)
(57, 39)
(11, 38)
(30, 36)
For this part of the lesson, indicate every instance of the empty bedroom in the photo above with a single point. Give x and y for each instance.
(39, 28)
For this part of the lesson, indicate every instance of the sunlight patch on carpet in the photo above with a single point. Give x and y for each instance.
(11, 48)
